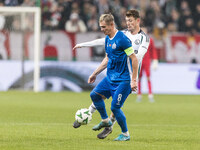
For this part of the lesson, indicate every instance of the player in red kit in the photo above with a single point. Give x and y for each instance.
(151, 55)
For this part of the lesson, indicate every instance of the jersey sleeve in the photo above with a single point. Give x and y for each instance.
(152, 49)
(97, 42)
(126, 45)
(143, 47)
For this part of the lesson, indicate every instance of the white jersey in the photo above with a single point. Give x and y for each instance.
(140, 43)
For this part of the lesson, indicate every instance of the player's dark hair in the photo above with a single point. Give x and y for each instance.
(133, 13)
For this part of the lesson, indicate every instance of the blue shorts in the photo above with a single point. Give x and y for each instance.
(118, 90)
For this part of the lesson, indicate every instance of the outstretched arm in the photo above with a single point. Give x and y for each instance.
(135, 72)
(102, 66)
(97, 42)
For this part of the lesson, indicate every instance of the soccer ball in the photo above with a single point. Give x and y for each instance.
(83, 116)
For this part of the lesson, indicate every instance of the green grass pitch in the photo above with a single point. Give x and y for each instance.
(34, 121)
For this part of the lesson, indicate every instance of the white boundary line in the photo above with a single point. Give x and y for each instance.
(70, 124)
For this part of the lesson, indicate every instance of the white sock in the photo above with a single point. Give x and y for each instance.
(92, 108)
(125, 133)
(139, 96)
(105, 120)
(150, 96)
(113, 120)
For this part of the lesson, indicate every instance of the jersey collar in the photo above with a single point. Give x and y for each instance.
(114, 35)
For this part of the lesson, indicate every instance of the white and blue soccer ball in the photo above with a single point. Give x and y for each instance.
(83, 116)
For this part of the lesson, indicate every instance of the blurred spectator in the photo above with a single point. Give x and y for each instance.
(92, 24)
(86, 12)
(115, 10)
(197, 18)
(55, 15)
(28, 3)
(185, 15)
(94, 16)
(62, 20)
(173, 21)
(168, 7)
(159, 34)
(174, 14)
(12, 23)
(152, 15)
(186, 22)
(159, 31)
(52, 15)
(65, 9)
(123, 11)
(184, 5)
(75, 24)
(90, 17)
(13, 2)
(46, 15)
(75, 7)
(103, 6)
(189, 25)
(133, 4)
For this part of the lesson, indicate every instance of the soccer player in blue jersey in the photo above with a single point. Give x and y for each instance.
(121, 79)
(140, 45)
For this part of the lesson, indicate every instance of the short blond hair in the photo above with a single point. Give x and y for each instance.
(108, 18)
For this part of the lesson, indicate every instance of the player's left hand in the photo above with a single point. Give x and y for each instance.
(134, 85)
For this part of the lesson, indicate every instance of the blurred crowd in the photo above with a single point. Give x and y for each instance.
(82, 15)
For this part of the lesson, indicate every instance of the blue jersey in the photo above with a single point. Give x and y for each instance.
(118, 49)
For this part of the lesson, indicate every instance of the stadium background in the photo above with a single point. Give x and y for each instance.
(173, 24)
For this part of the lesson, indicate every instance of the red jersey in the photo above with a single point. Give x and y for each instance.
(150, 54)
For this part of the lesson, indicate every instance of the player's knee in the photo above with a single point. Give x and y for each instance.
(115, 109)
(94, 96)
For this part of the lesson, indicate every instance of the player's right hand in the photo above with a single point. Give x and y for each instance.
(155, 64)
(91, 79)
(76, 46)
(134, 85)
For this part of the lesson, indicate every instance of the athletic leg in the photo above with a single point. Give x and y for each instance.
(107, 130)
(139, 95)
(98, 93)
(119, 97)
(99, 104)
(92, 108)
(150, 95)
(101, 88)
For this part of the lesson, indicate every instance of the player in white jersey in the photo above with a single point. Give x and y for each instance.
(140, 43)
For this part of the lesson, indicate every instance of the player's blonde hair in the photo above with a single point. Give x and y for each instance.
(108, 18)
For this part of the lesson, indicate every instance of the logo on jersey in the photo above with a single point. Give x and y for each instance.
(114, 46)
(137, 42)
(108, 45)
(144, 47)
(135, 51)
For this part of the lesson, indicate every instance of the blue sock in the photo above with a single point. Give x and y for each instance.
(99, 104)
(120, 117)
